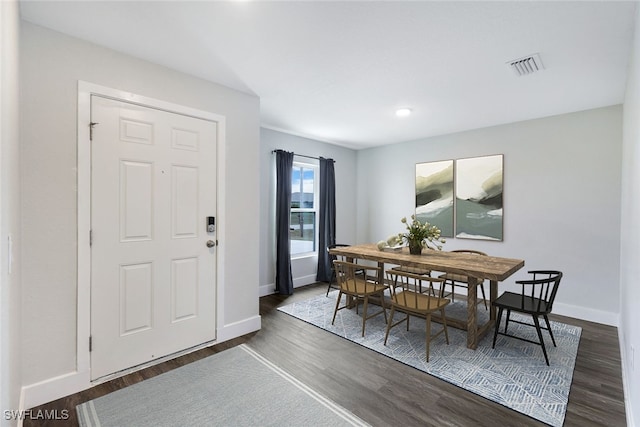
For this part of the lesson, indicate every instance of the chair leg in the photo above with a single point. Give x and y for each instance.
(506, 323)
(364, 313)
(444, 325)
(337, 304)
(495, 332)
(333, 276)
(546, 319)
(389, 323)
(384, 309)
(428, 334)
(539, 331)
(484, 297)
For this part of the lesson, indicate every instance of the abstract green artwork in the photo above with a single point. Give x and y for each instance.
(434, 195)
(479, 207)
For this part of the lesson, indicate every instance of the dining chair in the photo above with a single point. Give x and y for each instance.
(421, 274)
(359, 287)
(418, 272)
(536, 299)
(333, 258)
(460, 280)
(406, 299)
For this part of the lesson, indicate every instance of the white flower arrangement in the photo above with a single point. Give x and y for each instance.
(425, 235)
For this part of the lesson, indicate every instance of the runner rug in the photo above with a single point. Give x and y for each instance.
(236, 387)
(514, 374)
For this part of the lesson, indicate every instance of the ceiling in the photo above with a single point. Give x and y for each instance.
(337, 71)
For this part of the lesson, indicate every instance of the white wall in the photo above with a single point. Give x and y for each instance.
(10, 293)
(303, 270)
(630, 235)
(51, 66)
(561, 199)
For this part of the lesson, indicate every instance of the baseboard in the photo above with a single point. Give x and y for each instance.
(582, 313)
(626, 377)
(21, 407)
(270, 289)
(267, 290)
(64, 385)
(588, 314)
(54, 388)
(304, 280)
(239, 328)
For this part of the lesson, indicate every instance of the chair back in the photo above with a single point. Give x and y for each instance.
(469, 251)
(460, 277)
(404, 292)
(541, 289)
(332, 257)
(350, 279)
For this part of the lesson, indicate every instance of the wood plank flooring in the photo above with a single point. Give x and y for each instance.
(384, 392)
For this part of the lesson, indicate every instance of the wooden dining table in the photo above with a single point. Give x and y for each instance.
(476, 268)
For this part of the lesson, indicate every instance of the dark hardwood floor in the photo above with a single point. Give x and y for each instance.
(384, 392)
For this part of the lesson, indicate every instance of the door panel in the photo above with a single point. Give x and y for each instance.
(153, 183)
(184, 289)
(136, 298)
(184, 201)
(136, 201)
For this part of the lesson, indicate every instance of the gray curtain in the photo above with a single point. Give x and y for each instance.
(327, 220)
(284, 279)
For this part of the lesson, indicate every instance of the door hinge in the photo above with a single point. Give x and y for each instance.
(91, 125)
(90, 343)
(90, 238)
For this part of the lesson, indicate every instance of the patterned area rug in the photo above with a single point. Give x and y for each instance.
(514, 374)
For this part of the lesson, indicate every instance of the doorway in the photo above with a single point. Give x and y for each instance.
(152, 254)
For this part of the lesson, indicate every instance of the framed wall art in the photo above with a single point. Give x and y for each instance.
(434, 195)
(479, 207)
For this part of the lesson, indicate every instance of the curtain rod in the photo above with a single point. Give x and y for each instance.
(302, 155)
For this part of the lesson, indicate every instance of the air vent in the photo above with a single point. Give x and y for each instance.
(527, 65)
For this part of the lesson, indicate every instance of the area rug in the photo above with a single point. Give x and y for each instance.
(514, 374)
(236, 387)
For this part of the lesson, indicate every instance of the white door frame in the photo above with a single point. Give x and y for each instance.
(85, 90)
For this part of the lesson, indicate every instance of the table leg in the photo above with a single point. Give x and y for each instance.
(472, 303)
(493, 295)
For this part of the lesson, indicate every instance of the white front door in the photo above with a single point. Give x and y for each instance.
(153, 185)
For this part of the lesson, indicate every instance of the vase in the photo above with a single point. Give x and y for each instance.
(415, 248)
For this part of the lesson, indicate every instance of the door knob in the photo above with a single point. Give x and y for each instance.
(210, 243)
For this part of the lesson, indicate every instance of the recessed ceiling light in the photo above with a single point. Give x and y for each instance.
(403, 112)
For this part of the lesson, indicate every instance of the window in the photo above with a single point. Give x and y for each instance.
(304, 205)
